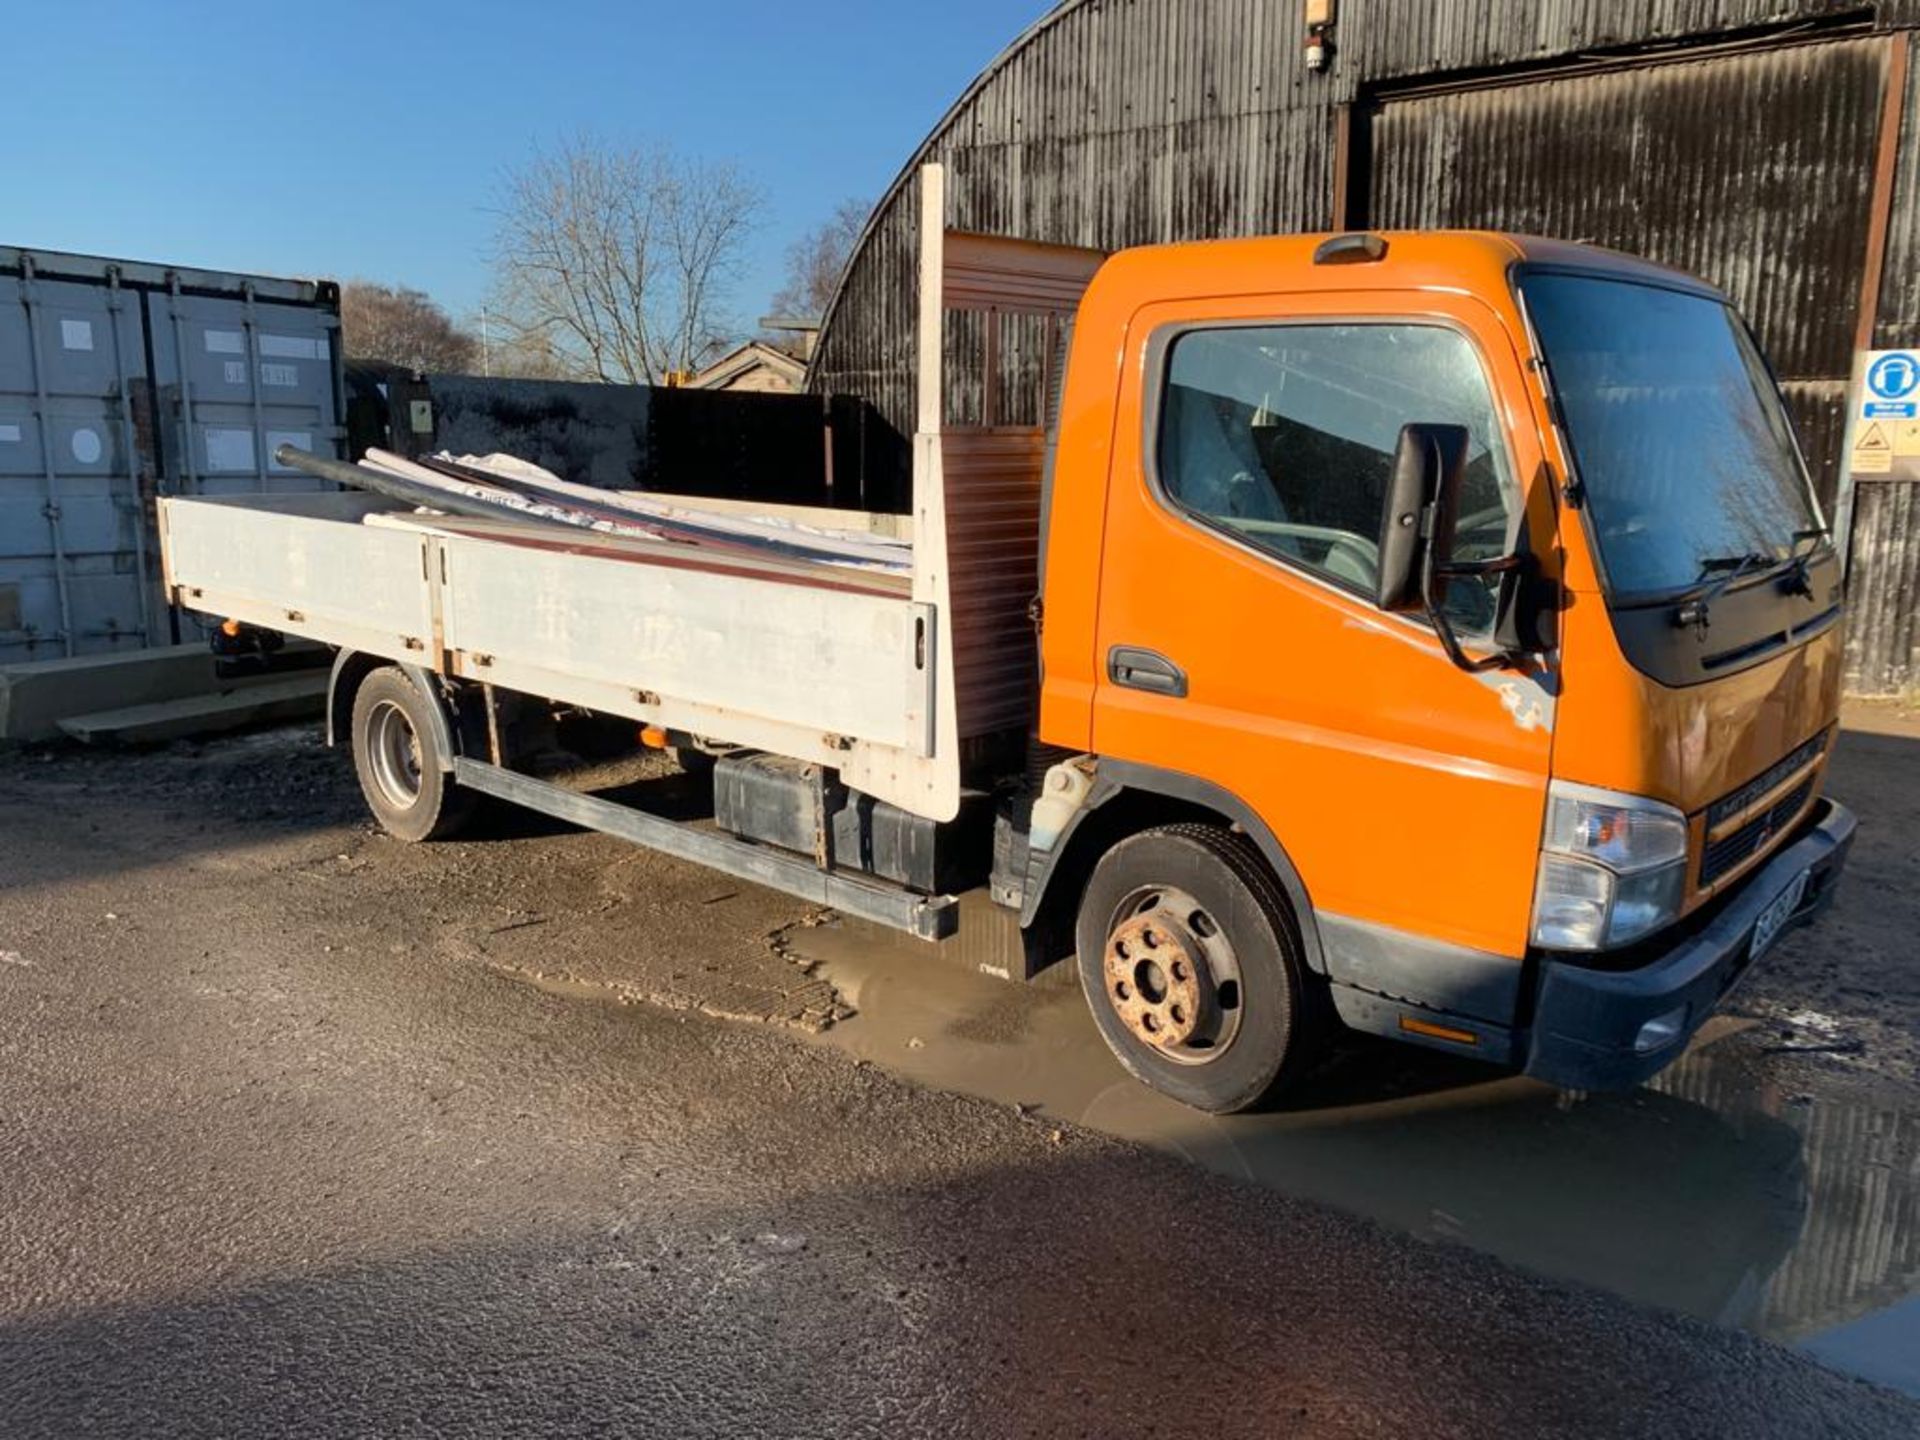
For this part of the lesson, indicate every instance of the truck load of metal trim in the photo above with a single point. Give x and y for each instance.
(887, 681)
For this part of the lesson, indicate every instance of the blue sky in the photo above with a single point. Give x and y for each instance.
(362, 139)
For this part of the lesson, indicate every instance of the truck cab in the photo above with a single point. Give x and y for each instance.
(1466, 599)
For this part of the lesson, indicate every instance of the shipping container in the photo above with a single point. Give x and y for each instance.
(121, 381)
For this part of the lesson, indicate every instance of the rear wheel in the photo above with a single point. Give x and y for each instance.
(1189, 958)
(399, 762)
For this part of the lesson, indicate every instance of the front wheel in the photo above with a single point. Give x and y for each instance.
(1189, 959)
(399, 763)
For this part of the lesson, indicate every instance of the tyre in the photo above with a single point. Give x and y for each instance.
(399, 762)
(1190, 961)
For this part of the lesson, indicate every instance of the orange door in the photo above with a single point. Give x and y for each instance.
(1236, 642)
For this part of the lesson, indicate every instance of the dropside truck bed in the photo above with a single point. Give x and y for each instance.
(876, 688)
(825, 665)
(832, 667)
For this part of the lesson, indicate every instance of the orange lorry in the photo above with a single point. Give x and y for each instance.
(1437, 636)
(1473, 589)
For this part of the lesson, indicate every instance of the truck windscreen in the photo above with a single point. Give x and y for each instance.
(1682, 446)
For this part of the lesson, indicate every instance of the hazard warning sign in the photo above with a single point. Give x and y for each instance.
(1884, 433)
(1873, 449)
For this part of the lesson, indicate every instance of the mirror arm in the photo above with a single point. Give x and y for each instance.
(1433, 593)
(1478, 569)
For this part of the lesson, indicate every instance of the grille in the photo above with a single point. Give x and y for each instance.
(1750, 839)
(1751, 791)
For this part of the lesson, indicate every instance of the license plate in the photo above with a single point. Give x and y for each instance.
(1774, 918)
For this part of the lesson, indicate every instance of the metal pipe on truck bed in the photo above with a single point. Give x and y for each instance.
(406, 491)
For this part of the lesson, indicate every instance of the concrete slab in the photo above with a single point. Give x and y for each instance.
(36, 696)
(297, 697)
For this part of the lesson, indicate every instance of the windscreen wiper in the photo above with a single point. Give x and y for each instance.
(1798, 577)
(1697, 610)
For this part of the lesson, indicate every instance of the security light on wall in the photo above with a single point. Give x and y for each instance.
(1320, 18)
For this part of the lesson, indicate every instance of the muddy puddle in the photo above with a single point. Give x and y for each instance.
(1729, 1190)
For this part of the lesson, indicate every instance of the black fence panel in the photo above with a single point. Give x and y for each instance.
(740, 446)
(831, 451)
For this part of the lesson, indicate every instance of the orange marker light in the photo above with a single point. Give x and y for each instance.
(1437, 1032)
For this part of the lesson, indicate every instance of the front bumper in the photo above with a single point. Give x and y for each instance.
(1586, 1021)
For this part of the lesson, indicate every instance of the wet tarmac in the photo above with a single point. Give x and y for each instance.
(305, 1133)
(1743, 1187)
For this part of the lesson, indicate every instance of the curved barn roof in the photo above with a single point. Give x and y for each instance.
(903, 182)
(1107, 123)
(1113, 123)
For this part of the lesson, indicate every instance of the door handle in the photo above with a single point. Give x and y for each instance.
(1149, 670)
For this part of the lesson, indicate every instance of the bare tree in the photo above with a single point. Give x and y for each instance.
(513, 353)
(619, 261)
(403, 327)
(816, 260)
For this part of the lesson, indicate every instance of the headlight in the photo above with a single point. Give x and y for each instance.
(1613, 869)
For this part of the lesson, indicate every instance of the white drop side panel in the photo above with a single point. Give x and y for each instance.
(303, 565)
(833, 662)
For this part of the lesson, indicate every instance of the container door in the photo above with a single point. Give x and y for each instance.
(77, 568)
(235, 380)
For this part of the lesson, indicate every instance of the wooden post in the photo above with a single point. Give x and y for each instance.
(932, 327)
(1886, 169)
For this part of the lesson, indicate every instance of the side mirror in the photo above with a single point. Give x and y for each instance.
(1416, 521)
(1416, 537)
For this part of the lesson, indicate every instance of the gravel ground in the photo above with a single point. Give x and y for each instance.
(1846, 993)
(305, 1132)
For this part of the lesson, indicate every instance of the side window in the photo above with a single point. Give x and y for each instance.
(1284, 437)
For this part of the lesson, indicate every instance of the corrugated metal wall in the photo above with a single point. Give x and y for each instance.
(1754, 170)
(1883, 633)
(235, 380)
(719, 444)
(76, 558)
(1898, 323)
(1883, 639)
(1126, 122)
(1393, 39)
(1860, 1249)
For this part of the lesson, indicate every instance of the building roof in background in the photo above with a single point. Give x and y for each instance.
(756, 363)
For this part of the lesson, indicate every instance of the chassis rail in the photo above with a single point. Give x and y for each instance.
(928, 917)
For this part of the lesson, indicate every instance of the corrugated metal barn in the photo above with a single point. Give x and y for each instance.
(1773, 147)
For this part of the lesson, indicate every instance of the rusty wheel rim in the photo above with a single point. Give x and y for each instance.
(1171, 976)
